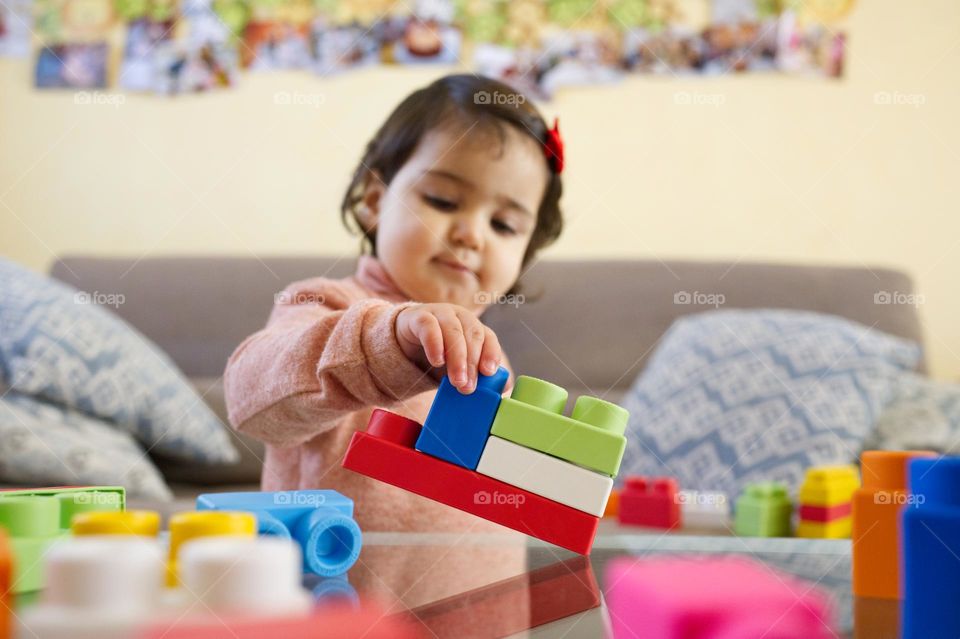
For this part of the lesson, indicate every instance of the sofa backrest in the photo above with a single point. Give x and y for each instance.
(588, 325)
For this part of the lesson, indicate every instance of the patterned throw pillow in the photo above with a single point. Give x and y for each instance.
(736, 396)
(56, 345)
(44, 444)
(924, 414)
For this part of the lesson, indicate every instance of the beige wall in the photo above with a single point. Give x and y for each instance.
(786, 169)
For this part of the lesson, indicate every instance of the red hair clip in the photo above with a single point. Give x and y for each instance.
(553, 148)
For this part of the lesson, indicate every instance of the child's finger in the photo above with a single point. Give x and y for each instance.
(427, 330)
(455, 348)
(474, 335)
(492, 353)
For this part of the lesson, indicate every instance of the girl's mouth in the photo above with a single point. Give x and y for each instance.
(455, 266)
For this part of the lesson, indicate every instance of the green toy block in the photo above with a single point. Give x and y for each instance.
(591, 437)
(37, 517)
(763, 510)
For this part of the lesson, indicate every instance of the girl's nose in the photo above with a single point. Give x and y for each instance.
(467, 232)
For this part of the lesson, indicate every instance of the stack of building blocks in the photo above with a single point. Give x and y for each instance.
(931, 545)
(763, 510)
(650, 501)
(875, 547)
(826, 497)
(536, 471)
(696, 598)
(35, 518)
(320, 521)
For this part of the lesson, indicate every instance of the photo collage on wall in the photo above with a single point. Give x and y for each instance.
(186, 46)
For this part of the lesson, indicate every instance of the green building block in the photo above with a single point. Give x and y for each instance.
(763, 510)
(35, 518)
(591, 437)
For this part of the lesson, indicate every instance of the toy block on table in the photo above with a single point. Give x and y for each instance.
(763, 510)
(875, 548)
(6, 583)
(546, 476)
(187, 526)
(705, 509)
(825, 498)
(931, 542)
(592, 437)
(385, 452)
(111, 586)
(696, 598)
(457, 426)
(612, 509)
(129, 522)
(36, 517)
(320, 521)
(650, 501)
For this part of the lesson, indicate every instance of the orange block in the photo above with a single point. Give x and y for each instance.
(876, 533)
(613, 504)
(6, 574)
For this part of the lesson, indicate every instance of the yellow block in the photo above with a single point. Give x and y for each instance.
(191, 525)
(836, 529)
(130, 522)
(829, 485)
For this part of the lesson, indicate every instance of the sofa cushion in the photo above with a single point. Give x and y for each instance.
(246, 470)
(736, 396)
(44, 444)
(62, 345)
(924, 414)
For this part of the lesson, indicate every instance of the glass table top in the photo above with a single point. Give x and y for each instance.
(471, 585)
(493, 585)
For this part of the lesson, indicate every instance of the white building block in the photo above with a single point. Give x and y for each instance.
(546, 476)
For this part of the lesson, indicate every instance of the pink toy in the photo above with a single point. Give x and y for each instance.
(725, 598)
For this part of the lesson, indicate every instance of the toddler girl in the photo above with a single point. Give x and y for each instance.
(453, 197)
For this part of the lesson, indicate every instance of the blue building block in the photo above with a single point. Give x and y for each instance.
(321, 521)
(457, 426)
(931, 545)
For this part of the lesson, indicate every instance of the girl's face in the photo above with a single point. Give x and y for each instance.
(455, 222)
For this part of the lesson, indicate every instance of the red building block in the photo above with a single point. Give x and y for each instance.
(650, 501)
(824, 513)
(385, 452)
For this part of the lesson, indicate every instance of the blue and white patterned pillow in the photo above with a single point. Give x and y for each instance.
(56, 345)
(43, 444)
(923, 414)
(736, 396)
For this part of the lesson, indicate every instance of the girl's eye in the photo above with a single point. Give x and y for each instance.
(439, 203)
(502, 227)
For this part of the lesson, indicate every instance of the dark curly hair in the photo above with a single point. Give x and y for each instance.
(469, 98)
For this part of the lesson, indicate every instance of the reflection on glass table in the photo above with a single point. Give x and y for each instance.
(490, 585)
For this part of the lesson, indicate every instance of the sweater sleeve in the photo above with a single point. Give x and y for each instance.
(312, 365)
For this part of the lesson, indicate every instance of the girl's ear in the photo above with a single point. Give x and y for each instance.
(368, 212)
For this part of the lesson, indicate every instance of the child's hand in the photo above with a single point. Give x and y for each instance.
(448, 335)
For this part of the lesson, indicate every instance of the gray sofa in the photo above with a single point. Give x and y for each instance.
(586, 325)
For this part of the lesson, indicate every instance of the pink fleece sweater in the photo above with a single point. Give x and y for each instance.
(306, 382)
